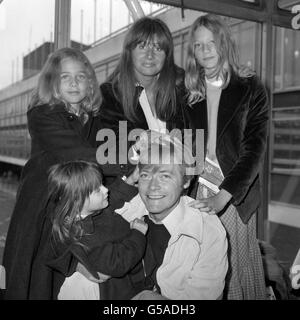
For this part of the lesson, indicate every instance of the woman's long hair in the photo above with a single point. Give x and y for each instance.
(123, 78)
(47, 91)
(228, 63)
(69, 185)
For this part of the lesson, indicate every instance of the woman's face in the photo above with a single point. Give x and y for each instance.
(205, 50)
(148, 59)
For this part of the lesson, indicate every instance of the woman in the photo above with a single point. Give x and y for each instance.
(67, 97)
(231, 104)
(146, 90)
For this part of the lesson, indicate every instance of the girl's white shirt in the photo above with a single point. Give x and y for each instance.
(78, 287)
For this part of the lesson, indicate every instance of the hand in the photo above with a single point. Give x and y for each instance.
(145, 138)
(133, 178)
(139, 225)
(202, 205)
(214, 204)
(103, 277)
(84, 271)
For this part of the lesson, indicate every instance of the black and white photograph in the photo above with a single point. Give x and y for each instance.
(150, 150)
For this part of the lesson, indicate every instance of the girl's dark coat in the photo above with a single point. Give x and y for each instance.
(242, 127)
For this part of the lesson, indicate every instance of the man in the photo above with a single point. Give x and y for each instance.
(186, 255)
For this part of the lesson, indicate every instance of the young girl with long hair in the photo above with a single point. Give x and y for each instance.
(60, 114)
(84, 231)
(230, 103)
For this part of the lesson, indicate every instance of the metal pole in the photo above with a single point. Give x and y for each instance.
(81, 28)
(110, 17)
(267, 75)
(95, 20)
(135, 9)
(62, 24)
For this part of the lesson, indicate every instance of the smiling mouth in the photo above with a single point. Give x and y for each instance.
(155, 197)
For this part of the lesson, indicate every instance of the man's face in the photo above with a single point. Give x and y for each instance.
(160, 187)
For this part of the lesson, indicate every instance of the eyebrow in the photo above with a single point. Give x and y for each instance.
(68, 72)
(165, 171)
(205, 42)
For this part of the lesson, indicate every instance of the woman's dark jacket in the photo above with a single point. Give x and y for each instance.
(57, 136)
(111, 113)
(110, 247)
(241, 139)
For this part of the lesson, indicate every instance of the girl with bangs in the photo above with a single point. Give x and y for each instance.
(66, 99)
(146, 89)
(85, 231)
(230, 103)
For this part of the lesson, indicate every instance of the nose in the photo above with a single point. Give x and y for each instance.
(103, 189)
(206, 48)
(150, 52)
(154, 183)
(73, 82)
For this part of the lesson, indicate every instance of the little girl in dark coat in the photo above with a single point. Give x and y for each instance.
(84, 231)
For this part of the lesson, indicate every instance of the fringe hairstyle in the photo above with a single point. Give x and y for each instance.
(47, 91)
(228, 58)
(69, 185)
(123, 78)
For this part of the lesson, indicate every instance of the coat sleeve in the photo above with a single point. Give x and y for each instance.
(240, 178)
(114, 258)
(49, 131)
(119, 193)
(60, 259)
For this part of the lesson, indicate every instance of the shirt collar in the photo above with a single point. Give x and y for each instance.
(81, 114)
(137, 84)
(215, 83)
(181, 221)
